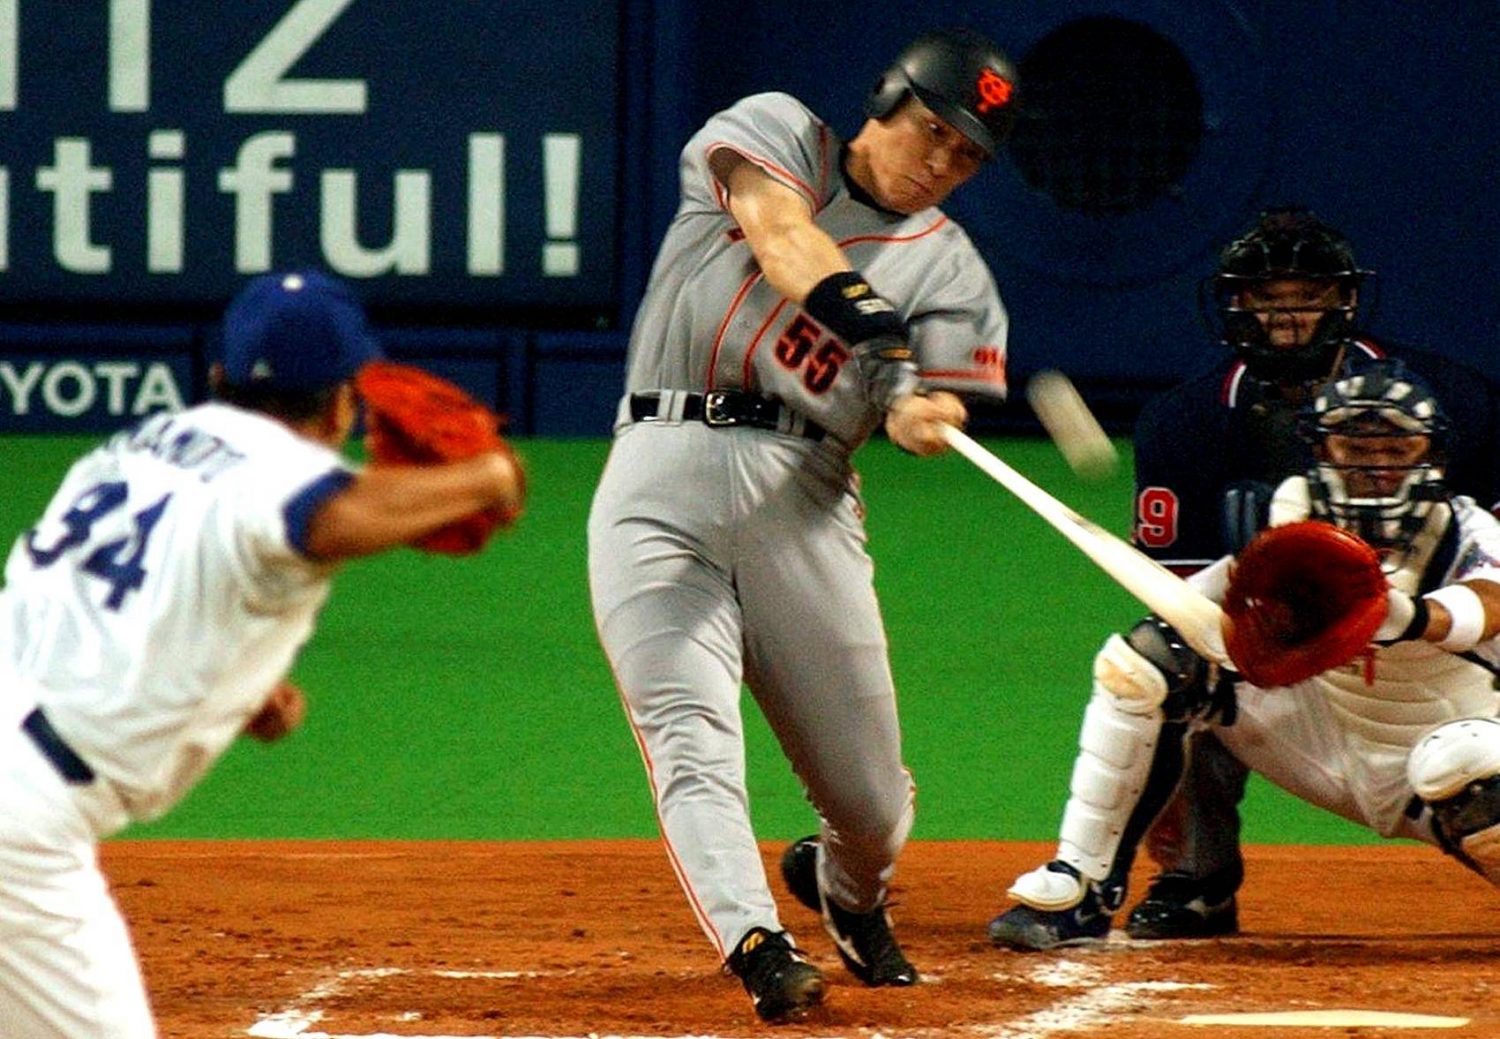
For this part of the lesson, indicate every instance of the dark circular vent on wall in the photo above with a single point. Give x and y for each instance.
(1110, 117)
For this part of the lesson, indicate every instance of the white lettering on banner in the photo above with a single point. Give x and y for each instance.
(164, 205)
(70, 388)
(4, 216)
(182, 219)
(63, 401)
(487, 203)
(72, 180)
(261, 172)
(252, 181)
(408, 251)
(560, 159)
(158, 391)
(114, 373)
(259, 83)
(10, 53)
(20, 385)
(129, 55)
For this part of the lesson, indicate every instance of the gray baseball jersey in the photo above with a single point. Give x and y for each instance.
(722, 555)
(710, 320)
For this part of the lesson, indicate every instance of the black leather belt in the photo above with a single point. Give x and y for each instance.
(728, 408)
(68, 764)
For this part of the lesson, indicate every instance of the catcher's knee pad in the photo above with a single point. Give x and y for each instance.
(1116, 749)
(1455, 770)
(1153, 669)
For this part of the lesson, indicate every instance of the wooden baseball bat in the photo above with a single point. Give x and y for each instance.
(1196, 617)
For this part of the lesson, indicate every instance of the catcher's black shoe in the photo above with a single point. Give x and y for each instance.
(782, 985)
(1178, 906)
(1030, 929)
(864, 940)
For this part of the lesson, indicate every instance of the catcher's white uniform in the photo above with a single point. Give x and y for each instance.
(1375, 741)
(145, 619)
(1341, 740)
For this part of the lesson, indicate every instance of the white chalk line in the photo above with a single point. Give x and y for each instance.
(1100, 1001)
(1094, 1007)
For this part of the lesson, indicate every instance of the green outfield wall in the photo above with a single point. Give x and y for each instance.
(468, 698)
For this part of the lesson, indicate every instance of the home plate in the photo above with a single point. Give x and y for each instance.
(1328, 1019)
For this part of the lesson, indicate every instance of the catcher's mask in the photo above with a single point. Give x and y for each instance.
(1286, 296)
(1379, 440)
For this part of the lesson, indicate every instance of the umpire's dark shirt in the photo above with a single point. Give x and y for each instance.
(1223, 428)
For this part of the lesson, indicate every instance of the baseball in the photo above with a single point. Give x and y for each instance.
(1071, 425)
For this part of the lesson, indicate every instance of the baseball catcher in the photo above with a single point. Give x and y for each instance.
(1364, 689)
(413, 417)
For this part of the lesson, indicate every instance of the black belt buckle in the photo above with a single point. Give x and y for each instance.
(716, 411)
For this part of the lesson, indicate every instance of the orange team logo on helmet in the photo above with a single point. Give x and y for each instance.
(994, 90)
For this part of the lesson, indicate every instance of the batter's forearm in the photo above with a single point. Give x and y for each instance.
(795, 256)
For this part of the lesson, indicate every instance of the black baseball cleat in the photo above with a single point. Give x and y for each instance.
(1179, 906)
(1031, 929)
(782, 985)
(864, 940)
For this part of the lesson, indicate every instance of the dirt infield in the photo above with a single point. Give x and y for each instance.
(311, 939)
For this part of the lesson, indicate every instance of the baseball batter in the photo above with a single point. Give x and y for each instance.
(807, 292)
(1405, 742)
(152, 615)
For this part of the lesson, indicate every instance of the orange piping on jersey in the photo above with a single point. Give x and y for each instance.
(734, 304)
(823, 151)
(779, 173)
(997, 378)
(939, 222)
(755, 343)
(694, 902)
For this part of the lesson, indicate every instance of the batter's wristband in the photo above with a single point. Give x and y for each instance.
(1466, 613)
(845, 304)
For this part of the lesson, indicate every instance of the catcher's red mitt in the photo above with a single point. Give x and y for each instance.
(413, 417)
(1302, 598)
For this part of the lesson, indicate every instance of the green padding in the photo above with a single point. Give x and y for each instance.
(469, 698)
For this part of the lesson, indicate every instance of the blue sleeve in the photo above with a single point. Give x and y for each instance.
(302, 506)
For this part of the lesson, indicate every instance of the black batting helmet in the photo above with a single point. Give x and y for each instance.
(961, 76)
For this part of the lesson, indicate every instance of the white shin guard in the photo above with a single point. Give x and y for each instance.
(1453, 769)
(1116, 748)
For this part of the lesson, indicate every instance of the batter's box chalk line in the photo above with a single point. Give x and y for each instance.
(1093, 1008)
(295, 1020)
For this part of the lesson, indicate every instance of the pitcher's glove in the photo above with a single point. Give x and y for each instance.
(1302, 598)
(413, 417)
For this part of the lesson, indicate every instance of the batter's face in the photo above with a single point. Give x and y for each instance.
(1290, 308)
(912, 159)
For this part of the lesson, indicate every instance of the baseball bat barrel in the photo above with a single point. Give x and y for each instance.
(1196, 617)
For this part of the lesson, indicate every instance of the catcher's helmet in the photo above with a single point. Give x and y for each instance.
(961, 76)
(1383, 487)
(1286, 243)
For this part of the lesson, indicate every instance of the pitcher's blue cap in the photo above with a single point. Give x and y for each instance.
(301, 330)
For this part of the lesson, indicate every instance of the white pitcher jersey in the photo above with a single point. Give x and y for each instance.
(188, 523)
(685, 338)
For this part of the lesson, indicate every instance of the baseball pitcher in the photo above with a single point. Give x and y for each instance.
(153, 612)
